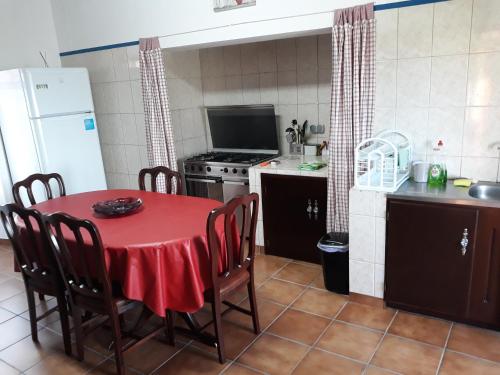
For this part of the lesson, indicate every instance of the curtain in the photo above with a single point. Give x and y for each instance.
(159, 134)
(352, 107)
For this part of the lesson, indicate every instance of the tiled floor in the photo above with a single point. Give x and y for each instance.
(306, 330)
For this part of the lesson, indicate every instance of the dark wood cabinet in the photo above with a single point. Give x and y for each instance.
(444, 260)
(289, 229)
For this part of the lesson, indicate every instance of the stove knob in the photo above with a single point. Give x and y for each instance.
(225, 170)
(209, 169)
(193, 167)
(200, 168)
(243, 171)
(235, 170)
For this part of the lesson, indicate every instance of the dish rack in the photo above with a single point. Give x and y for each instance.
(383, 162)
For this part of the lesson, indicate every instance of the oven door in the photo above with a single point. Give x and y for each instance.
(205, 187)
(233, 188)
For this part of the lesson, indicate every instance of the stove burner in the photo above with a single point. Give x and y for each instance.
(230, 157)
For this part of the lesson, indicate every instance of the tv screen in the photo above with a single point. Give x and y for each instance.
(243, 127)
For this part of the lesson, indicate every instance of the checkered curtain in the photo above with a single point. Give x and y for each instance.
(159, 134)
(352, 108)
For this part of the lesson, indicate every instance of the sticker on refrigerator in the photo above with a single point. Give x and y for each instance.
(89, 124)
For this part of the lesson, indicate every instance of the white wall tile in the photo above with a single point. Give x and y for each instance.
(387, 34)
(446, 124)
(307, 112)
(482, 131)
(449, 80)
(415, 31)
(126, 103)
(133, 159)
(232, 60)
(379, 281)
(212, 62)
(307, 53)
(100, 66)
(251, 89)
(137, 96)
(140, 123)
(175, 116)
(485, 25)
(361, 202)
(127, 122)
(249, 58)
(194, 146)
(287, 87)
(385, 118)
(362, 238)
(413, 82)
(379, 240)
(325, 51)
(120, 64)
(268, 88)
(325, 86)
(414, 122)
(484, 169)
(267, 57)
(119, 159)
(133, 62)
(452, 25)
(385, 94)
(192, 123)
(484, 79)
(285, 114)
(324, 118)
(214, 90)
(361, 277)
(286, 54)
(234, 90)
(307, 86)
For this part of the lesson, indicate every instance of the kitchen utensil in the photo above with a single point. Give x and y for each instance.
(420, 170)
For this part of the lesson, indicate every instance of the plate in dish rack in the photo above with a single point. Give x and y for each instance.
(117, 207)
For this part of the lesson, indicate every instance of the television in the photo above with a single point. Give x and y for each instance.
(243, 128)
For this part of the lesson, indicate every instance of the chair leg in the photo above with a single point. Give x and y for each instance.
(170, 326)
(63, 314)
(253, 306)
(117, 335)
(216, 315)
(32, 313)
(77, 319)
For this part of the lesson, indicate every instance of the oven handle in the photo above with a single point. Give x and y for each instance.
(242, 183)
(209, 181)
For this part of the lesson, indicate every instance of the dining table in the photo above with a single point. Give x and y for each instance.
(159, 254)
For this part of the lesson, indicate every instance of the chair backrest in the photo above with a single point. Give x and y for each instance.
(239, 217)
(161, 172)
(24, 228)
(78, 250)
(45, 180)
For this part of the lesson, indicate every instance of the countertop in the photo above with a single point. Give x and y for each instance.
(445, 194)
(290, 165)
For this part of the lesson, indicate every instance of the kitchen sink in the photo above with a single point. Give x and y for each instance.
(486, 191)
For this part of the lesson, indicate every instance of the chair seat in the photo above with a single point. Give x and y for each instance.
(230, 285)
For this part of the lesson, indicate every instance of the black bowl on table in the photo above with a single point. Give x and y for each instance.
(117, 207)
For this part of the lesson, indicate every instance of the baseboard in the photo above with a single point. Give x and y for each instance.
(260, 250)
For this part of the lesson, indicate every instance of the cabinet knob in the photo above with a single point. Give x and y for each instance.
(465, 241)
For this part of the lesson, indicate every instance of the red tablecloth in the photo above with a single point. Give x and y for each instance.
(160, 254)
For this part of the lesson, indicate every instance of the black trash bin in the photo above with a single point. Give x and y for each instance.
(334, 249)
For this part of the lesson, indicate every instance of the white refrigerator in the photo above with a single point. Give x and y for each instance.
(47, 124)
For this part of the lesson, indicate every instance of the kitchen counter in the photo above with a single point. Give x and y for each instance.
(445, 194)
(290, 165)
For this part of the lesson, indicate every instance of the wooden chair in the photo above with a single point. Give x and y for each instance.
(238, 268)
(45, 179)
(155, 173)
(33, 256)
(83, 269)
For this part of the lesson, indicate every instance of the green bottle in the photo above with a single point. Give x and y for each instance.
(438, 173)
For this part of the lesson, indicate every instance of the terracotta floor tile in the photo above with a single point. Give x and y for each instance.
(236, 369)
(421, 328)
(350, 341)
(366, 300)
(318, 282)
(298, 273)
(366, 315)
(475, 341)
(299, 326)
(10, 288)
(273, 355)
(191, 361)
(279, 291)
(61, 364)
(150, 355)
(456, 363)
(320, 363)
(407, 357)
(25, 353)
(268, 311)
(13, 330)
(268, 264)
(320, 302)
(5, 369)
(372, 370)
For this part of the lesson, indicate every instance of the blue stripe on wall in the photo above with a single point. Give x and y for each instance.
(399, 4)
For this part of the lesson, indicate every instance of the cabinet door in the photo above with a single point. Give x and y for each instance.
(425, 269)
(485, 287)
(289, 231)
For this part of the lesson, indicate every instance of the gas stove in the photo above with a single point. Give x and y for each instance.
(223, 164)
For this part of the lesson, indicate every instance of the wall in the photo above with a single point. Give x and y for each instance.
(187, 23)
(438, 69)
(292, 74)
(27, 27)
(116, 90)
